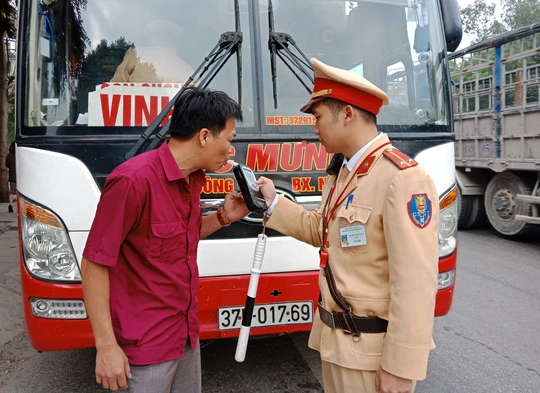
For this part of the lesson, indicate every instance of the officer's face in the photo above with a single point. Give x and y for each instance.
(327, 127)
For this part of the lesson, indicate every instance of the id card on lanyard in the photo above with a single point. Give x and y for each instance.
(350, 236)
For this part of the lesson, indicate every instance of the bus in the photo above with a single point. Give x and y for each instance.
(96, 80)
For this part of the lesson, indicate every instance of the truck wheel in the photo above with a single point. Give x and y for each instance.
(465, 206)
(478, 213)
(502, 206)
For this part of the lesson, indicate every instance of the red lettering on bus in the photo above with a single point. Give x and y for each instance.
(164, 101)
(110, 113)
(207, 189)
(218, 186)
(126, 116)
(229, 185)
(288, 163)
(141, 108)
(321, 181)
(302, 184)
(296, 184)
(263, 158)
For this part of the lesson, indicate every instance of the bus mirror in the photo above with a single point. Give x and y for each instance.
(451, 16)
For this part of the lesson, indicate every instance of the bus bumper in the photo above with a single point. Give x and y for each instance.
(446, 295)
(60, 334)
(48, 334)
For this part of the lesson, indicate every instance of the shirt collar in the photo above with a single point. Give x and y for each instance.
(171, 169)
(351, 163)
(169, 164)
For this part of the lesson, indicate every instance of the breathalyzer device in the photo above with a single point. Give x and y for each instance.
(248, 187)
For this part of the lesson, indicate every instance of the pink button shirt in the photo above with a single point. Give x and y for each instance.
(146, 229)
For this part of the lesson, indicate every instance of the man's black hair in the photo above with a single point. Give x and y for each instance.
(336, 106)
(198, 108)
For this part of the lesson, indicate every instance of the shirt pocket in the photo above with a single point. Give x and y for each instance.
(352, 228)
(167, 242)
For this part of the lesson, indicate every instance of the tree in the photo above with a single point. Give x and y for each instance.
(518, 13)
(7, 30)
(479, 20)
(99, 66)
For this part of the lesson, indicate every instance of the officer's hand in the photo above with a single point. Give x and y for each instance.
(234, 207)
(390, 383)
(267, 189)
(112, 368)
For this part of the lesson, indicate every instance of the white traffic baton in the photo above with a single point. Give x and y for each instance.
(241, 346)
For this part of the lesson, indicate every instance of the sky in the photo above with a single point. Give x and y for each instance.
(466, 40)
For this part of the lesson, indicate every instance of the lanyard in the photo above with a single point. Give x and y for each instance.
(326, 220)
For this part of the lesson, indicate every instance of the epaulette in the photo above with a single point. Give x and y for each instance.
(402, 160)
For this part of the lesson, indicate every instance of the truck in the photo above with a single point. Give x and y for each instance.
(96, 81)
(496, 86)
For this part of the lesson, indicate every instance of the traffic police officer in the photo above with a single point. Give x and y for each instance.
(377, 230)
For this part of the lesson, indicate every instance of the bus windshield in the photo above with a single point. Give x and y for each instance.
(109, 67)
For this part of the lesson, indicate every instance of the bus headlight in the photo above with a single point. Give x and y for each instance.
(40, 239)
(46, 247)
(448, 223)
(62, 261)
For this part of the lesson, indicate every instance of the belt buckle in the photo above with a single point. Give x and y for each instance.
(327, 317)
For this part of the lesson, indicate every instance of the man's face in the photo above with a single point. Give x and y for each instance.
(326, 127)
(220, 147)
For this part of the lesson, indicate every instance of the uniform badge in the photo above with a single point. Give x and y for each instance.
(419, 208)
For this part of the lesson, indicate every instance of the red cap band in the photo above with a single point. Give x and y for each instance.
(348, 94)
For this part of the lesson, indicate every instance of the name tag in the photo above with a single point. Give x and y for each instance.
(353, 236)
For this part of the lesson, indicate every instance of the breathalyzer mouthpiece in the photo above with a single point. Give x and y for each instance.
(231, 162)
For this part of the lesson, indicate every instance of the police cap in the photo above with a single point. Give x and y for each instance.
(346, 86)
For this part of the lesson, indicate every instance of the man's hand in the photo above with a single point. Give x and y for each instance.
(267, 189)
(112, 368)
(390, 383)
(234, 207)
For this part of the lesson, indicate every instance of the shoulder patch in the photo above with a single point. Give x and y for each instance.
(401, 160)
(419, 209)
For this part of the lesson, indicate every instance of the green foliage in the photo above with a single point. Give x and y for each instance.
(479, 20)
(518, 13)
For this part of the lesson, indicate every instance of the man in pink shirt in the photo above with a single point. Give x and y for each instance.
(139, 267)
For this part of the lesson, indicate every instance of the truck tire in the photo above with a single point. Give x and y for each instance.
(502, 206)
(465, 206)
(478, 217)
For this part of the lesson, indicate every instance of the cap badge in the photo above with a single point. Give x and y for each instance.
(320, 93)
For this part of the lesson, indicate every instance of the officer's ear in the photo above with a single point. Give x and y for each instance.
(350, 113)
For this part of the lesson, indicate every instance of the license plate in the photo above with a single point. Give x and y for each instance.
(270, 314)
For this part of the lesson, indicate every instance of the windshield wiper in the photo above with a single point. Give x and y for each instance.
(278, 44)
(229, 43)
